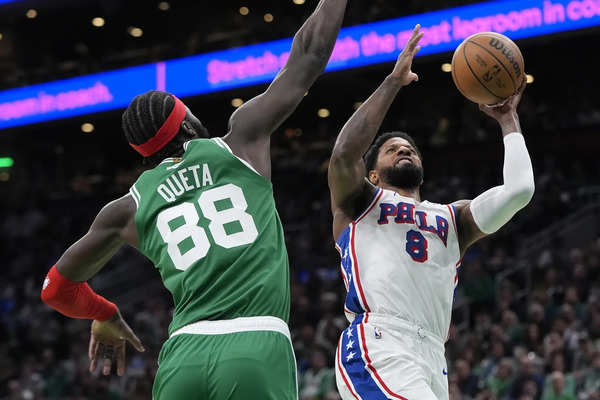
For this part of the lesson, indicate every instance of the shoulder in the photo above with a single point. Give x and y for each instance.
(118, 218)
(460, 204)
(461, 208)
(202, 142)
(117, 213)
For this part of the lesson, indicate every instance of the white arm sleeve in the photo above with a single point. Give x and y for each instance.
(497, 206)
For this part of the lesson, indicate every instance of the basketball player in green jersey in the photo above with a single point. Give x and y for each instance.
(205, 216)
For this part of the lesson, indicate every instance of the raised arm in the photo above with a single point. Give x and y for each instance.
(251, 125)
(66, 291)
(349, 188)
(489, 211)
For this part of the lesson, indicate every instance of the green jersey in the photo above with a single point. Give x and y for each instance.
(208, 222)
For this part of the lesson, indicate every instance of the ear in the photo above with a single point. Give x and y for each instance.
(188, 129)
(374, 177)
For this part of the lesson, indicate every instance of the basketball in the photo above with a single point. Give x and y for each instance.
(487, 68)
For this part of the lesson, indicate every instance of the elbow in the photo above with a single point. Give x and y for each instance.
(338, 157)
(316, 62)
(314, 50)
(343, 154)
(523, 194)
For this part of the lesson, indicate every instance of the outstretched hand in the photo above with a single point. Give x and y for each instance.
(402, 69)
(107, 342)
(505, 108)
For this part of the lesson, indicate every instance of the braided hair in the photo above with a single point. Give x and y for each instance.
(373, 152)
(143, 118)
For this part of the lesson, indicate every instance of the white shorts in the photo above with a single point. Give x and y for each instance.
(381, 357)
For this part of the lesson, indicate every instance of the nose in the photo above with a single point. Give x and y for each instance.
(403, 151)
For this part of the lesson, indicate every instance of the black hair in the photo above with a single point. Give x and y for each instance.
(371, 154)
(143, 118)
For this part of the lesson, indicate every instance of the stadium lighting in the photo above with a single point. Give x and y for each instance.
(135, 31)
(237, 102)
(1, 36)
(529, 78)
(244, 10)
(323, 113)
(164, 6)
(98, 22)
(447, 67)
(299, 2)
(31, 13)
(268, 17)
(6, 162)
(87, 127)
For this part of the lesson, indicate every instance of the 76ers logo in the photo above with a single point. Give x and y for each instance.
(416, 243)
(404, 213)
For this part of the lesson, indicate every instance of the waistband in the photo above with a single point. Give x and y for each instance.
(241, 324)
(402, 325)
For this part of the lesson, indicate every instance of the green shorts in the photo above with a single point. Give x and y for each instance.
(248, 364)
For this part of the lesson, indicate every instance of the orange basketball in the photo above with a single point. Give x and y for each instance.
(487, 68)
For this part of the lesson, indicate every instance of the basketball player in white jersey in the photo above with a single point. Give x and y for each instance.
(400, 254)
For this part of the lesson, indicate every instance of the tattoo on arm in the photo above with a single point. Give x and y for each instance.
(347, 169)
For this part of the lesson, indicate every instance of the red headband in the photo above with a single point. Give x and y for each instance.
(166, 132)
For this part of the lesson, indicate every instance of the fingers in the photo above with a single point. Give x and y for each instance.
(413, 41)
(135, 342)
(94, 356)
(91, 347)
(132, 338)
(121, 360)
(519, 93)
(107, 365)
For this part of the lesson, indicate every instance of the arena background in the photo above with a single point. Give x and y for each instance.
(526, 323)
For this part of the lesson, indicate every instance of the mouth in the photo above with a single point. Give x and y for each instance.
(404, 159)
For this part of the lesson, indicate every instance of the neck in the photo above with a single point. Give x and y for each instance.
(412, 192)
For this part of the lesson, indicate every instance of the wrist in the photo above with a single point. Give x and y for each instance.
(394, 81)
(509, 123)
(75, 299)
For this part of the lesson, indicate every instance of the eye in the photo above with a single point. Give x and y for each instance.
(390, 150)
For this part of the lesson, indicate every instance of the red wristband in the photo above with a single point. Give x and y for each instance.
(75, 299)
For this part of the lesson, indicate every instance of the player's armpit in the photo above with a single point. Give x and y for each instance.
(468, 231)
(350, 189)
(349, 208)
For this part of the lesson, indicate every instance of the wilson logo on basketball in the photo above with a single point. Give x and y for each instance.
(508, 53)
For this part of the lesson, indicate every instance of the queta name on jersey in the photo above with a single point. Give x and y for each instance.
(183, 180)
(404, 213)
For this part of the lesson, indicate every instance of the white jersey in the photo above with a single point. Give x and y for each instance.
(400, 258)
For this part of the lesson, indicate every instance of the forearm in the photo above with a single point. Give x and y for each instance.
(510, 123)
(358, 133)
(74, 299)
(495, 207)
(318, 35)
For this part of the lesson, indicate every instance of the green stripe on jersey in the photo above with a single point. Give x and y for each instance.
(209, 224)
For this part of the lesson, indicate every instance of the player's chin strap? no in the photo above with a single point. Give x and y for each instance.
(495, 207)
(75, 299)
